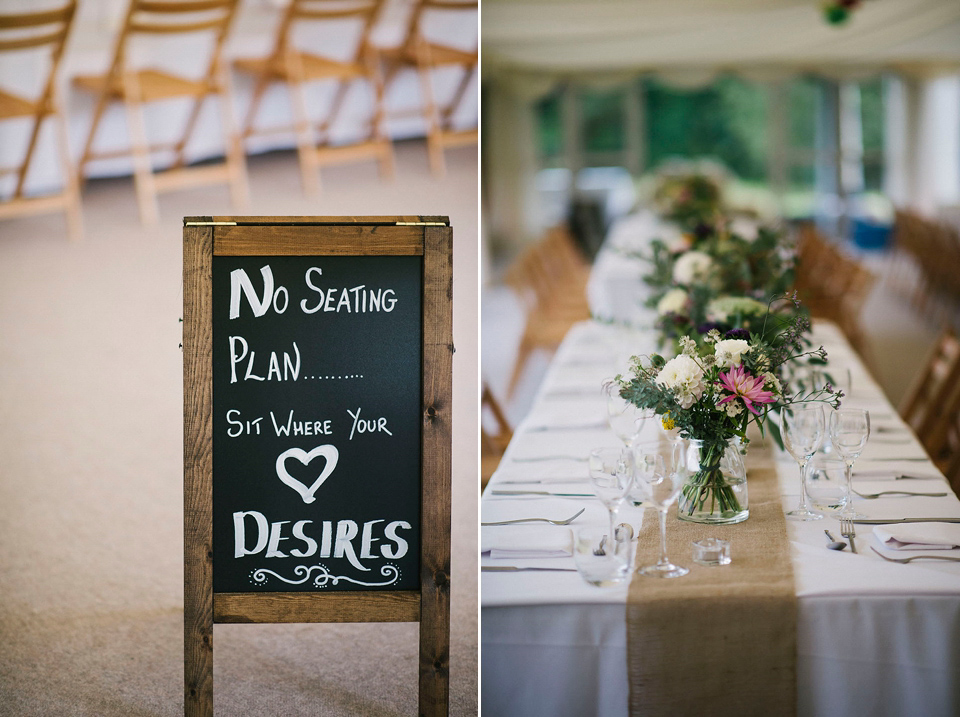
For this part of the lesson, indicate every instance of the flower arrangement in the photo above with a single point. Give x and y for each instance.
(690, 199)
(724, 266)
(712, 392)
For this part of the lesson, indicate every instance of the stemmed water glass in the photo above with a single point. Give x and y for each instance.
(849, 431)
(612, 474)
(802, 429)
(624, 418)
(658, 478)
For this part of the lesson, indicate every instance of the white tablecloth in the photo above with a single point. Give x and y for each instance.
(874, 637)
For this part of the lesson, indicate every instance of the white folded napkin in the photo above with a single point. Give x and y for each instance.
(919, 536)
(514, 542)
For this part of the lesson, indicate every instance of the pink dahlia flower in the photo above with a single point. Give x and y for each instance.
(742, 385)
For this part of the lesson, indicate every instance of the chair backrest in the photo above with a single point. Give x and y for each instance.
(920, 405)
(49, 28)
(175, 17)
(424, 8)
(367, 12)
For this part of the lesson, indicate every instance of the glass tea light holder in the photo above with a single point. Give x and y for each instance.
(711, 551)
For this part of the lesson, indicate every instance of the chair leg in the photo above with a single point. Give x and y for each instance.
(72, 183)
(258, 91)
(434, 146)
(31, 146)
(98, 111)
(140, 150)
(458, 95)
(338, 97)
(235, 158)
(378, 131)
(179, 159)
(306, 148)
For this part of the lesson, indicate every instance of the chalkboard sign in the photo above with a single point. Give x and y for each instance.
(317, 366)
(316, 423)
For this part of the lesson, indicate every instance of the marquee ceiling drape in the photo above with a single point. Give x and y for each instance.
(913, 37)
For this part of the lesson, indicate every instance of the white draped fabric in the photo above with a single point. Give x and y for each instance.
(873, 637)
(698, 36)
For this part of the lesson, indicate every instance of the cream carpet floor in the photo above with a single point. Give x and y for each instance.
(91, 465)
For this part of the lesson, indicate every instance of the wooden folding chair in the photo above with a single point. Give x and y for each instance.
(426, 55)
(32, 31)
(549, 277)
(294, 67)
(137, 87)
(924, 404)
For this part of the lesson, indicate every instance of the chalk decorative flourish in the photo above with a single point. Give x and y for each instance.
(324, 577)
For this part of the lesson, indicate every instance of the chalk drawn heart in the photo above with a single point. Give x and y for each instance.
(328, 451)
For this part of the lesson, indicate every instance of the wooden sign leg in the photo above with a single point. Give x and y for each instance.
(437, 447)
(197, 471)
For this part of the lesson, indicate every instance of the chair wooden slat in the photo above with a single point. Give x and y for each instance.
(24, 43)
(148, 28)
(34, 19)
(182, 6)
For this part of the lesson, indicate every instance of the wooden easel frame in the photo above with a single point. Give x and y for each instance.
(429, 237)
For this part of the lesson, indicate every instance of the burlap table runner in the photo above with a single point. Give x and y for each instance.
(720, 640)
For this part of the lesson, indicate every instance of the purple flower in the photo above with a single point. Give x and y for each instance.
(738, 334)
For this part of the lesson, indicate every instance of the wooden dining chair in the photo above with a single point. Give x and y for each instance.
(424, 54)
(138, 87)
(549, 277)
(295, 68)
(46, 31)
(924, 403)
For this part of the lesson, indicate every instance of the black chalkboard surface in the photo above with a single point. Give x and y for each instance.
(316, 423)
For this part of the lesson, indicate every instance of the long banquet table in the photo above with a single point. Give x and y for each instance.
(873, 637)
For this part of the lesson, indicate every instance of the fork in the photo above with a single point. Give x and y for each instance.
(916, 557)
(539, 520)
(898, 492)
(848, 531)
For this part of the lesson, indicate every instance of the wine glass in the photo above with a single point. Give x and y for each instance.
(658, 477)
(802, 428)
(624, 418)
(611, 473)
(849, 431)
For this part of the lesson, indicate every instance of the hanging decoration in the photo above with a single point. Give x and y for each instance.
(837, 12)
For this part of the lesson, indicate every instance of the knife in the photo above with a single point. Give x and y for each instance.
(895, 460)
(572, 427)
(885, 521)
(542, 481)
(515, 569)
(535, 459)
(542, 492)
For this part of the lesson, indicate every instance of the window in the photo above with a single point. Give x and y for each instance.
(726, 120)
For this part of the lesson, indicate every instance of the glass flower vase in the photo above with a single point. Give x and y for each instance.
(715, 488)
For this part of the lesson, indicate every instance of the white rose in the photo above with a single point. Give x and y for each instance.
(685, 377)
(730, 351)
(746, 228)
(673, 302)
(692, 267)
